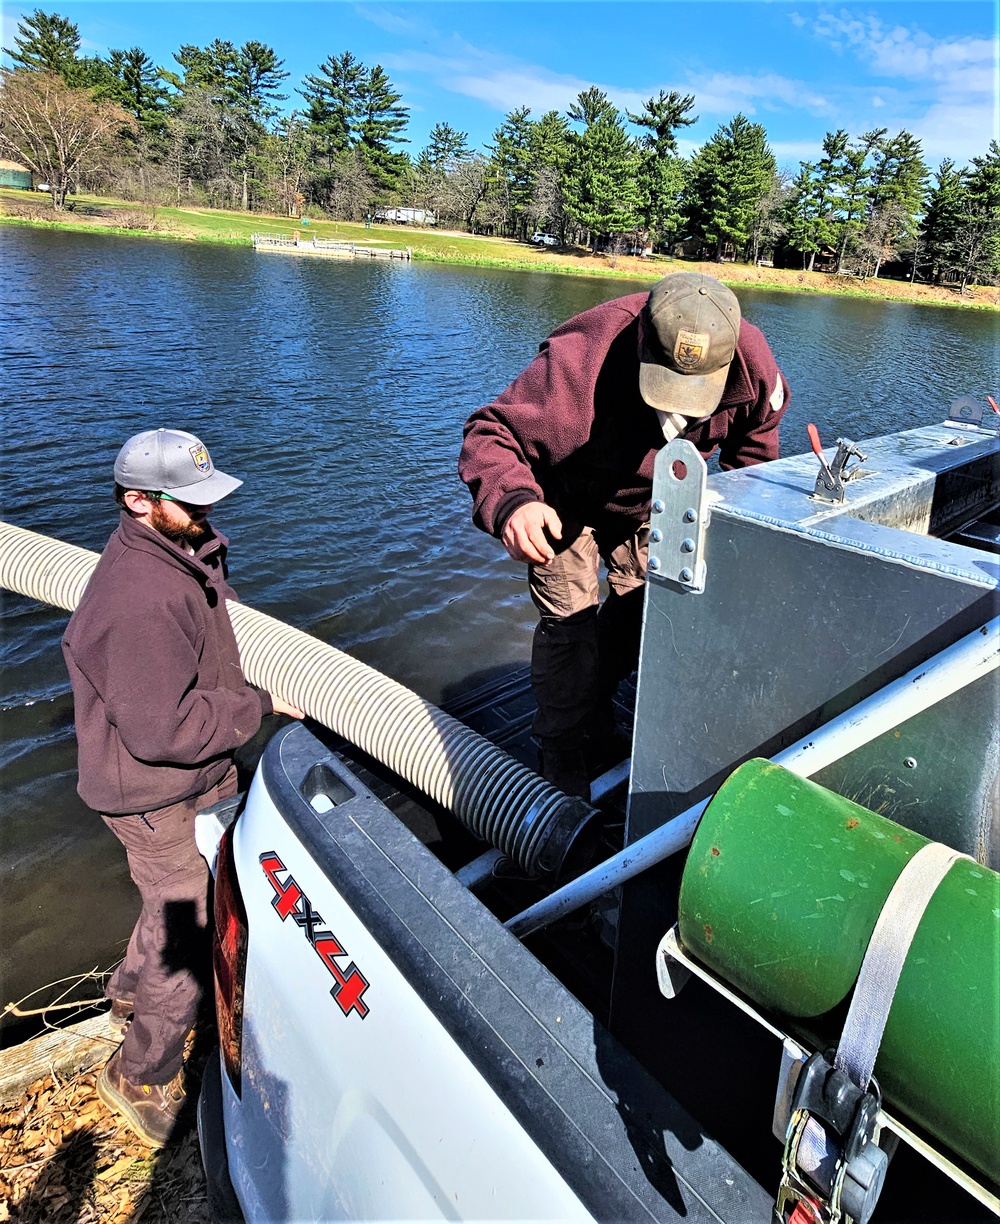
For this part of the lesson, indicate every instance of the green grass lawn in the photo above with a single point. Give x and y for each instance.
(215, 225)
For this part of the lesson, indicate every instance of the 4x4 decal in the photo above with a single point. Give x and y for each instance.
(290, 901)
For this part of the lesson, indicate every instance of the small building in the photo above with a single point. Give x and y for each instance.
(13, 174)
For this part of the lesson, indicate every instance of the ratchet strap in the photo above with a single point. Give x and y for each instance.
(832, 1165)
(885, 956)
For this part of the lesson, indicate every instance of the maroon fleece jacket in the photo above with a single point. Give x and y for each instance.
(572, 429)
(159, 694)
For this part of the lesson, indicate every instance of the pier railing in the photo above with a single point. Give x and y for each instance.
(276, 240)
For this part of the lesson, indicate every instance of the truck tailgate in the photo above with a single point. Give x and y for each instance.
(404, 1056)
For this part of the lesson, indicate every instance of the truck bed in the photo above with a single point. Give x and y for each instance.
(464, 1080)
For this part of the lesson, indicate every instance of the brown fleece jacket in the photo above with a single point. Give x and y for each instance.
(159, 695)
(572, 429)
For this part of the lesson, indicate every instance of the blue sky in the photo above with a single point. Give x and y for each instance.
(800, 68)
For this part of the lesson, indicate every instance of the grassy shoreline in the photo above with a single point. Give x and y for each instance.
(98, 215)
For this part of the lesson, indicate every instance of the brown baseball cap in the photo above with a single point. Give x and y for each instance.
(688, 339)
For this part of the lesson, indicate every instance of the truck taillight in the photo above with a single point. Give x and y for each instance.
(229, 958)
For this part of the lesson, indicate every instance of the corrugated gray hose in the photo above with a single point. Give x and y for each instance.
(495, 797)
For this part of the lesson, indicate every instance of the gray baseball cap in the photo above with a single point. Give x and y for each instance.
(690, 328)
(172, 461)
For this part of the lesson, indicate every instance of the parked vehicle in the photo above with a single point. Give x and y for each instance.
(541, 239)
(391, 1048)
(413, 1026)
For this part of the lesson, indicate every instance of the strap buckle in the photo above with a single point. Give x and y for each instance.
(832, 1167)
(832, 1160)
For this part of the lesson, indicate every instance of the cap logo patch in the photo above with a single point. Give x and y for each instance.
(690, 350)
(201, 460)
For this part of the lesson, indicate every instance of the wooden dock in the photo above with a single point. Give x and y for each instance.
(295, 244)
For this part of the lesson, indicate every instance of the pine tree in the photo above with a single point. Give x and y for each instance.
(381, 122)
(550, 154)
(225, 99)
(251, 92)
(511, 169)
(133, 82)
(898, 189)
(210, 68)
(662, 171)
(445, 150)
(590, 106)
(601, 185)
(942, 219)
(550, 141)
(446, 145)
(46, 42)
(729, 176)
(333, 98)
(846, 170)
(977, 237)
(808, 214)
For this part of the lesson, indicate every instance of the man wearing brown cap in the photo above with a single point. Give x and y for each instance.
(560, 469)
(161, 705)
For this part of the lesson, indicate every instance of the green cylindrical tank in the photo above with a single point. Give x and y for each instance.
(782, 887)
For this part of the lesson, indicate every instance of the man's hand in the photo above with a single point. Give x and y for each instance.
(285, 707)
(524, 535)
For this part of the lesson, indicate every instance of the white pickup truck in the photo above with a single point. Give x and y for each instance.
(390, 1049)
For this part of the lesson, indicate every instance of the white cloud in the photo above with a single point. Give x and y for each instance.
(504, 84)
(910, 52)
(724, 94)
(941, 89)
(508, 88)
(392, 23)
(498, 82)
(790, 152)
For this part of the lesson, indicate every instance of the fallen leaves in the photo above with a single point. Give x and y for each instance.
(65, 1158)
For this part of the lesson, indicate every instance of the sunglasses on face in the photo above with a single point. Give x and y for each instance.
(191, 509)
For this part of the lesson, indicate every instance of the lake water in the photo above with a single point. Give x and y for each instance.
(337, 391)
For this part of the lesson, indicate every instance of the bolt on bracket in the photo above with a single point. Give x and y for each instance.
(678, 518)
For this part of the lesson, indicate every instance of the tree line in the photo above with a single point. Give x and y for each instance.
(211, 131)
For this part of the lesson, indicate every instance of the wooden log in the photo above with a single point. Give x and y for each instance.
(63, 1052)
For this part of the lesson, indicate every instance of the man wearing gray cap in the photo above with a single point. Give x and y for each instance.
(560, 469)
(161, 705)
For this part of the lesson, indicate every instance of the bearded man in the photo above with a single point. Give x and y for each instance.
(161, 704)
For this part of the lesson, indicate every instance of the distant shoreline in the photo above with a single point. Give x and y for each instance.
(466, 250)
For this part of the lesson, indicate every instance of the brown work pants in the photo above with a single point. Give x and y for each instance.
(167, 966)
(581, 654)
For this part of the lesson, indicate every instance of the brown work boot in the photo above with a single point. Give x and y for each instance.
(120, 1016)
(150, 1109)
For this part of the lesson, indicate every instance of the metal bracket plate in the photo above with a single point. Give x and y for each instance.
(678, 517)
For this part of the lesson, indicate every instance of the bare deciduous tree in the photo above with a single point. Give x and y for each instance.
(54, 130)
(466, 187)
(348, 189)
(879, 240)
(546, 206)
